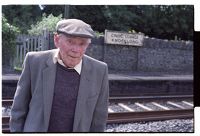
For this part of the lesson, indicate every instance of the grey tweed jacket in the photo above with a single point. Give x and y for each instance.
(34, 94)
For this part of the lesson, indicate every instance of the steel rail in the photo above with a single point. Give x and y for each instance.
(8, 102)
(150, 98)
(5, 124)
(125, 117)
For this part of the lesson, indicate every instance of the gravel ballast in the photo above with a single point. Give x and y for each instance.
(175, 125)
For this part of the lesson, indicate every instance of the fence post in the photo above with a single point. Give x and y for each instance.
(51, 41)
(45, 45)
(18, 41)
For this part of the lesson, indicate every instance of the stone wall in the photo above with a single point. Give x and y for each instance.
(155, 55)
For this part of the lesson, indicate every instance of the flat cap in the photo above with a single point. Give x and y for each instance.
(75, 27)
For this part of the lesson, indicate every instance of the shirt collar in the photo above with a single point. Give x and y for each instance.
(78, 67)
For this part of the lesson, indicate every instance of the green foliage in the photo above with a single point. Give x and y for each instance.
(9, 33)
(167, 21)
(17, 68)
(22, 16)
(47, 23)
(160, 21)
(93, 15)
(98, 34)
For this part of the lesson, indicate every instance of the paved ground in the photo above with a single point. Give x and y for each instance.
(133, 76)
(10, 74)
(150, 76)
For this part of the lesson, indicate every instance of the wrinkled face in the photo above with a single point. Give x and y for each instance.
(71, 49)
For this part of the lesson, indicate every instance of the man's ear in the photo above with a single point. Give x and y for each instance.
(56, 40)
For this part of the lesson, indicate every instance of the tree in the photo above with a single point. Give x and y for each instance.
(47, 23)
(22, 16)
(9, 33)
(160, 21)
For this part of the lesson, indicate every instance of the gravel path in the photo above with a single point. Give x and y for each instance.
(175, 125)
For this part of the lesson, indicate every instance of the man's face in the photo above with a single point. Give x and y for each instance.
(71, 49)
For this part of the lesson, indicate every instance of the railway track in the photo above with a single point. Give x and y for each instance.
(133, 109)
(150, 108)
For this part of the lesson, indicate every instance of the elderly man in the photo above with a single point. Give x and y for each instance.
(62, 90)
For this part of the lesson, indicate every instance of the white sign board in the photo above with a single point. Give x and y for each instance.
(122, 38)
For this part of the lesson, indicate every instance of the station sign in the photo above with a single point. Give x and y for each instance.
(123, 38)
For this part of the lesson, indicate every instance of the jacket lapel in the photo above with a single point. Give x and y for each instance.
(82, 93)
(49, 74)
